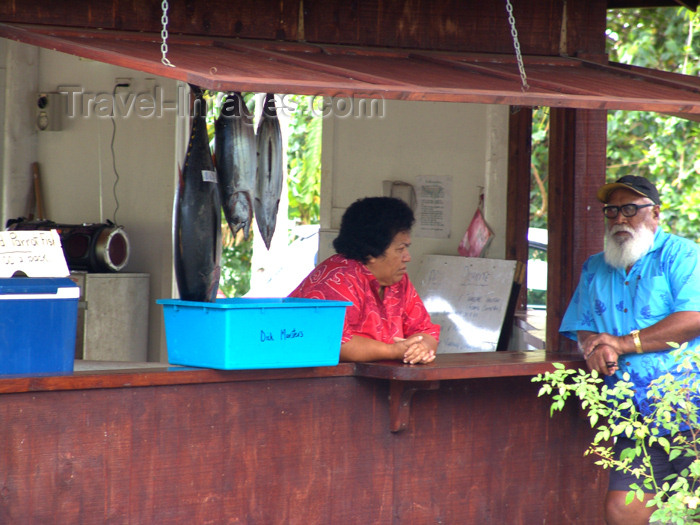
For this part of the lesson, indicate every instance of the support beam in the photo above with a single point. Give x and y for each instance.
(577, 162)
(518, 200)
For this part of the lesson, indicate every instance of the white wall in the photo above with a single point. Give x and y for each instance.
(410, 139)
(77, 171)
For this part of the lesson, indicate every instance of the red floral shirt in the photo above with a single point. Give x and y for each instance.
(400, 314)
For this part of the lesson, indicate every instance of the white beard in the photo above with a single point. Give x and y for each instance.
(625, 254)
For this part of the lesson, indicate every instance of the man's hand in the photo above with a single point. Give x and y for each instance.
(603, 358)
(602, 351)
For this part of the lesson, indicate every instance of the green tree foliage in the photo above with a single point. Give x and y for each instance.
(661, 147)
(539, 167)
(236, 258)
(304, 161)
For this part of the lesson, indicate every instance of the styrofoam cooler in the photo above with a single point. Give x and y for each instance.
(241, 333)
(38, 318)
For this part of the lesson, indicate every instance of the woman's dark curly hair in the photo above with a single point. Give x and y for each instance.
(369, 225)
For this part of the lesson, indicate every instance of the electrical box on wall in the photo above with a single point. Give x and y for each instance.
(400, 190)
(49, 106)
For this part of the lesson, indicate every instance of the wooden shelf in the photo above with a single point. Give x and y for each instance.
(406, 380)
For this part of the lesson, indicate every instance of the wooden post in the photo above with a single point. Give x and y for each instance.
(577, 160)
(518, 199)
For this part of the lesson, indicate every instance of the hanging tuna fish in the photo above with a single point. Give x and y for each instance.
(269, 178)
(236, 161)
(197, 216)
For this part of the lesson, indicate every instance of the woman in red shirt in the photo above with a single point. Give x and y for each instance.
(387, 319)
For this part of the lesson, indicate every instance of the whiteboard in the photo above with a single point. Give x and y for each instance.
(468, 298)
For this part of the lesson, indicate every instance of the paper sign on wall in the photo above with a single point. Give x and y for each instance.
(433, 216)
(33, 253)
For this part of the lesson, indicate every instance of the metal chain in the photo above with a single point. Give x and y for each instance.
(164, 34)
(516, 44)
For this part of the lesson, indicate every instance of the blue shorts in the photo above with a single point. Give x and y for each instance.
(620, 480)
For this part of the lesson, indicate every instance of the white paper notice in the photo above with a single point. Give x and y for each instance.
(434, 212)
(32, 252)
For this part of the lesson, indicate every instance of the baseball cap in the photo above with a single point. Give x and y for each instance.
(635, 183)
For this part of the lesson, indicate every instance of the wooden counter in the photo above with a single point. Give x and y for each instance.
(462, 440)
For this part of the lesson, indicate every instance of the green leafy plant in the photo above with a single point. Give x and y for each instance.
(304, 162)
(612, 413)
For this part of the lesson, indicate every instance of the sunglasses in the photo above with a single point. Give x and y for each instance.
(628, 210)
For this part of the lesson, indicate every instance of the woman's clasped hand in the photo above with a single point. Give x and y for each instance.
(414, 350)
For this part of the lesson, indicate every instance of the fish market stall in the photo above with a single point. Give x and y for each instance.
(460, 440)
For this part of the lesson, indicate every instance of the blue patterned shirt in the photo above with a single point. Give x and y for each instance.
(607, 299)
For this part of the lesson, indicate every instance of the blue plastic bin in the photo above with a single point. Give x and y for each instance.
(38, 318)
(236, 334)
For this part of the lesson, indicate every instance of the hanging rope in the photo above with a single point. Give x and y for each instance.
(516, 45)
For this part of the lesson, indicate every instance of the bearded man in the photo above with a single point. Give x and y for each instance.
(638, 295)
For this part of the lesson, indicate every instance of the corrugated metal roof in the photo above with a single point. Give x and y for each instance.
(309, 69)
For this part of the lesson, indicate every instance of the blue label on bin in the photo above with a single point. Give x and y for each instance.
(291, 334)
(284, 335)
